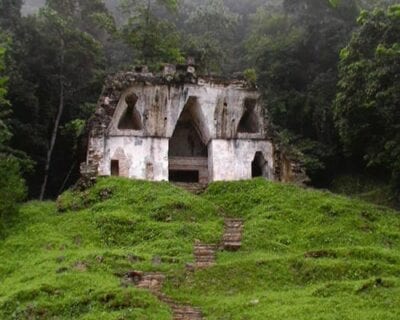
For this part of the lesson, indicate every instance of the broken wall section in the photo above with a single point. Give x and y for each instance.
(288, 168)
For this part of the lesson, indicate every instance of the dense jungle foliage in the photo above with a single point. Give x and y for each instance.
(327, 69)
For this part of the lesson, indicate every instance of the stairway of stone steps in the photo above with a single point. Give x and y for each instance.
(233, 231)
(153, 281)
(195, 188)
(180, 312)
(186, 313)
(204, 257)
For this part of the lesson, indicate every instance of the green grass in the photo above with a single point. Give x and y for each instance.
(306, 254)
(367, 188)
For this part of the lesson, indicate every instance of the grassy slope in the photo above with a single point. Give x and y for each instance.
(306, 254)
(365, 188)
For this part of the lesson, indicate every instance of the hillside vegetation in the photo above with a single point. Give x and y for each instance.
(327, 71)
(305, 255)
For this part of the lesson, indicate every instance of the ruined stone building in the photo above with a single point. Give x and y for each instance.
(177, 126)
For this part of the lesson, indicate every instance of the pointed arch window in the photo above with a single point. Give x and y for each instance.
(249, 123)
(131, 118)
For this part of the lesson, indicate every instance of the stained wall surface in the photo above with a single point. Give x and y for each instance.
(140, 158)
(232, 159)
(218, 126)
(216, 110)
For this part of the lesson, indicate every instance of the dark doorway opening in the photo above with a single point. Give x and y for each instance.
(258, 166)
(115, 168)
(188, 176)
(188, 152)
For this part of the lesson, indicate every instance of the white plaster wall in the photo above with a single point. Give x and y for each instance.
(161, 106)
(218, 108)
(145, 158)
(210, 97)
(230, 160)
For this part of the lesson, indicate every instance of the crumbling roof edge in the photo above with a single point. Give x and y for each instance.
(122, 80)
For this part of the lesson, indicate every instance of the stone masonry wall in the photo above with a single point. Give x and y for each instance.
(220, 109)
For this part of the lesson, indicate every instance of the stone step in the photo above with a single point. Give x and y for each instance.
(233, 224)
(205, 258)
(232, 245)
(239, 228)
(234, 227)
(204, 252)
(233, 233)
(187, 313)
(204, 255)
(153, 282)
(150, 281)
(233, 221)
(204, 246)
(236, 231)
(204, 265)
(233, 238)
(162, 297)
(228, 237)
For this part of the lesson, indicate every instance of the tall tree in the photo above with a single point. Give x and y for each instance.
(210, 35)
(296, 53)
(55, 69)
(12, 188)
(10, 12)
(75, 50)
(149, 32)
(367, 106)
(4, 104)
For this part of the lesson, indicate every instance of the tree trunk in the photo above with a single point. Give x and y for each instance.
(56, 123)
(71, 169)
(147, 23)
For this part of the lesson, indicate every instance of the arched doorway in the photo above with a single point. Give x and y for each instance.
(259, 166)
(188, 153)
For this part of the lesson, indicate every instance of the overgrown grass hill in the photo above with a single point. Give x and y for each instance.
(306, 254)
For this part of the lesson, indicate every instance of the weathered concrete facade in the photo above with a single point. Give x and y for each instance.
(180, 127)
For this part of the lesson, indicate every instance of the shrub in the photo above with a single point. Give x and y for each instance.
(12, 187)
